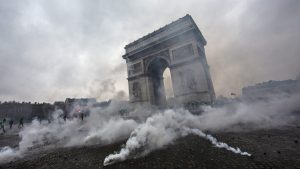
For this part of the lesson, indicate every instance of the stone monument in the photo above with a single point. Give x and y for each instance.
(178, 46)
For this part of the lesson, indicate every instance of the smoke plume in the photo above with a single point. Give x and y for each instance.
(148, 129)
(160, 130)
(106, 89)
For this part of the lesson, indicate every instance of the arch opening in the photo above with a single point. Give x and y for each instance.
(168, 84)
(155, 73)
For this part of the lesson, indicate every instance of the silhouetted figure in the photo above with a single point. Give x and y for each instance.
(2, 125)
(11, 122)
(81, 116)
(65, 117)
(21, 123)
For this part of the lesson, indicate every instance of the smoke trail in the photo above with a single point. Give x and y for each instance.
(133, 144)
(215, 142)
(159, 130)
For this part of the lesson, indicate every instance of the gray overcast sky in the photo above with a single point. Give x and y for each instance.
(53, 49)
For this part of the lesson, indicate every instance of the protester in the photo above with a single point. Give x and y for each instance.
(21, 122)
(11, 122)
(81, 116)
(65, 117)
(2, 123)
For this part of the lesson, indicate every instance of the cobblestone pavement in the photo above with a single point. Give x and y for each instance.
(271, 149)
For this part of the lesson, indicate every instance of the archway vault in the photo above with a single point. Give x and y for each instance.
(155, 72)
(178, 46)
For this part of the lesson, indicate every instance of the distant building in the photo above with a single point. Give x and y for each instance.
(103, 104)
(59, 105)
(42, 110)
(271, 88)
(26, 110)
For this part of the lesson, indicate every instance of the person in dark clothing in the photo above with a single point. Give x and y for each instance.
(11, 122)
(2, 125)
(81, 115)
(65, 117)
(21, 123)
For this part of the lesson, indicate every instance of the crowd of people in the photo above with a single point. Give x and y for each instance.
(3, 123)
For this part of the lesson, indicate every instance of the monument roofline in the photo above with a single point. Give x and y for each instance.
(175, 26)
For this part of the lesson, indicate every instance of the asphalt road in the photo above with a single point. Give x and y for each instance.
(276, 148)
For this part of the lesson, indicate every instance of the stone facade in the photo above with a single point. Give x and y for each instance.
(178, 46)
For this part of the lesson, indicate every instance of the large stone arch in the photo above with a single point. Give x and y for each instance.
(179, 46)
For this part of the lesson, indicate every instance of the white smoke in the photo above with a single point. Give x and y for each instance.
(215, 142)
(276, 111)
(103, 126)
(8, 153)
(163, 128)
(159, 130)
(148, 129)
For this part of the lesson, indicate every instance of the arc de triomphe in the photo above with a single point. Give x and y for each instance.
(179, 46)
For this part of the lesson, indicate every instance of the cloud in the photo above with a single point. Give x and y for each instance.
(50, 50)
